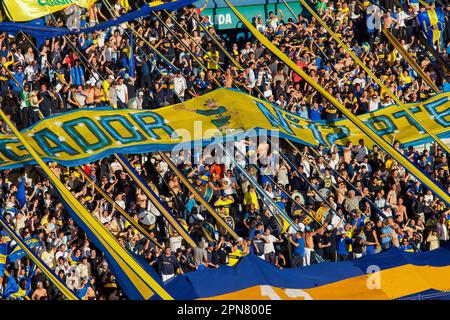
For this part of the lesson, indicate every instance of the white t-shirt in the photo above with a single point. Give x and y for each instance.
(175, 243)
(122, 92)
(179, 85)
(301, 227)
(268, 246)
(273, 22)
(59, 254)
(373, 105)
(116, 166)
(261, 27)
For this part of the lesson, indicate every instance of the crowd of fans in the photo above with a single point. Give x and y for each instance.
(371, 204)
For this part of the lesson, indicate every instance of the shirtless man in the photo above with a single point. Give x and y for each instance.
(174, 184)
(93, 13)
(401, 210)
(309, 244)
(40, 292)
(90, 95)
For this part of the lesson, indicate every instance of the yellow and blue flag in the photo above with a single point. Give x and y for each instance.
(432, 23)
(13, 291)
(3, 252)
(17, 252)
(382, 276)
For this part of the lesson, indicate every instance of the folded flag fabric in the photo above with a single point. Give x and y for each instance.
(432, 23)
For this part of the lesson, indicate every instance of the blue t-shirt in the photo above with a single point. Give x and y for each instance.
(315, 114)
(386, 230)
(342, 245)
(300, 249)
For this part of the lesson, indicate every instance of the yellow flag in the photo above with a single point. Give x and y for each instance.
(26, 10)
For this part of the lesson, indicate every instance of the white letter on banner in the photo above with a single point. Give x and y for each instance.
(374, 279)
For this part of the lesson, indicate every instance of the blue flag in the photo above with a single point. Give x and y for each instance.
(17, 252)
(21, 195)
(30, 275)
(3, 252)
(432, 23)
(13, 291)
(131, 62)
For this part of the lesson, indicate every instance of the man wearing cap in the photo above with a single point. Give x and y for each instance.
(187, 260)
(105, 85)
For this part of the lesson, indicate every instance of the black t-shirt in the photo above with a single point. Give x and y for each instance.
(357, 245)
(319, 239)
(168, 264)
(331, 238)
(47, 102)
(259, 243)
(94, 262)
(213, 257)
(369, 235)
(131, 90)
(222, 254)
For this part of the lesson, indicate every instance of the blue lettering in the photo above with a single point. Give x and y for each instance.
(133, 134)
(294, 121)
(45, 137)
(7, 151)
(276, 121)
(157, 123)
(385, 121)
(440, 117)
(317, 134)
(411, 121)
(340, 134)
(98, 134)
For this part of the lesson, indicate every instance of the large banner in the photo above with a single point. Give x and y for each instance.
(26, 10)
(392, 274)
(84, 135)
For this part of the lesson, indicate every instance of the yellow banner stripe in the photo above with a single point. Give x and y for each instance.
(356, 121)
